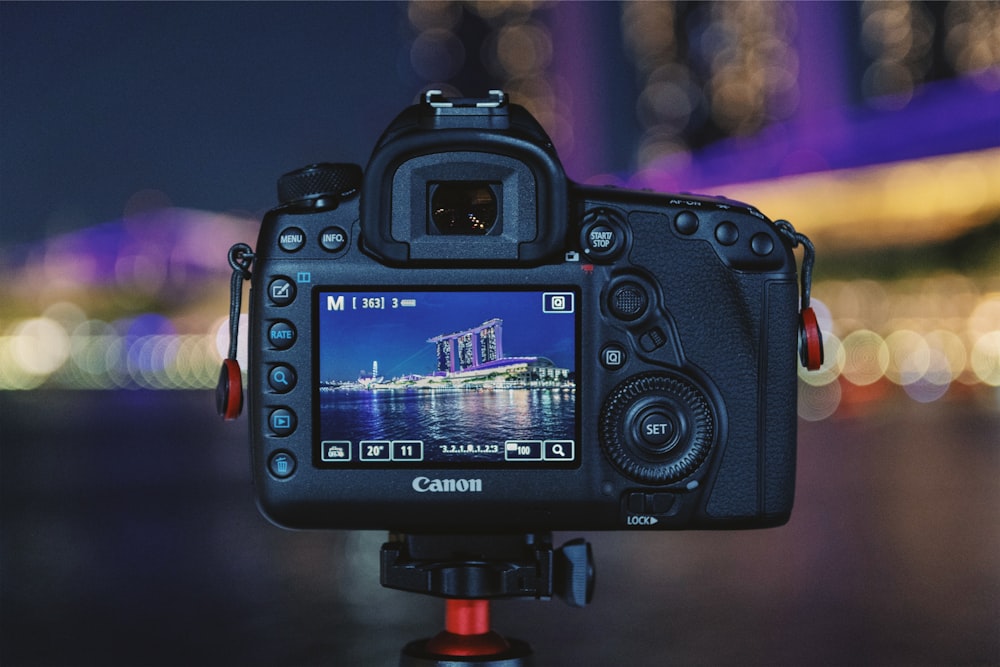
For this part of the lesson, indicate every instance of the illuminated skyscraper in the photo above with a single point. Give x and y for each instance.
(469, 349)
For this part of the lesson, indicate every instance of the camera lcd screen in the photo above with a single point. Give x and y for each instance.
(461, 378)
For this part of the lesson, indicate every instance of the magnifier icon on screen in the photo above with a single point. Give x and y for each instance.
(558, 450)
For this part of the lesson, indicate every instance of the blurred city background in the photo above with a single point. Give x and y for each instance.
(139, 141)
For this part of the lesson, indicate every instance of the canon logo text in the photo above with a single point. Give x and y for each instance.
(427, 485)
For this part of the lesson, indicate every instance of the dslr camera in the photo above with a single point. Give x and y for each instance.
(458, 338)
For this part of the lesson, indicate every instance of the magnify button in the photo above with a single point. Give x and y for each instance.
(282, 379)
(558, 450)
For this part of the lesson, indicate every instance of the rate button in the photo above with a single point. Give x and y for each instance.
(282, 335)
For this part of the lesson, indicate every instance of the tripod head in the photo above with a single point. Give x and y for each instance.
(470, 570)
(475, 567)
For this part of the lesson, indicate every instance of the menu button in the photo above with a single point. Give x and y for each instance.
(291, 239)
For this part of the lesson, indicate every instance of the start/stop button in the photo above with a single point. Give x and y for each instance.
(603, 237)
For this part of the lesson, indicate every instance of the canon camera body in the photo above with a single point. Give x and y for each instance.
(459, 338)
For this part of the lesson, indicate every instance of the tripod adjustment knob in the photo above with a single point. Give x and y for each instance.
(574, 575)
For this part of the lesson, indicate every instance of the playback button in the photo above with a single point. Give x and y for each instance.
(282, 422)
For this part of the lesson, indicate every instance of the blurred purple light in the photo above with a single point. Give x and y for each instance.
(947, 117)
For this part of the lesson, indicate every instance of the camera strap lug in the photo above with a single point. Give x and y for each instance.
(229, 390)
(810, 335)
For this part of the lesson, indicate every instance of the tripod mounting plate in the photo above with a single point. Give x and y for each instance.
(485, 567)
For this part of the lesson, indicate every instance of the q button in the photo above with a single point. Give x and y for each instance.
(282, 379)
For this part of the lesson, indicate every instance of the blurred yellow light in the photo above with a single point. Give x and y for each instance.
(985, 358)
(816, 403)
(834, 359)
(524, 48)
(909, 356)
(947, 349)
(221, 335)
(12, 375)
(867, 357)
(932, 199)
(985, 318)
(40, 346)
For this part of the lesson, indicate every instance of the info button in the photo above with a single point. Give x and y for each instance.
(333, 239)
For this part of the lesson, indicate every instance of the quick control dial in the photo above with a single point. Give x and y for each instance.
(657, 428)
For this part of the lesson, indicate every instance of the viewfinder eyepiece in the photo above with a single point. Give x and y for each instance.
(463, 208)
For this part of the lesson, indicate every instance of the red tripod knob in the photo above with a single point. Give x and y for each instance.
(467, 631)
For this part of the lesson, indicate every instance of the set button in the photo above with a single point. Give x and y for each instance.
(657, 430)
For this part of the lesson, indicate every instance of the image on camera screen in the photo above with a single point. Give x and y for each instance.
(464, 378)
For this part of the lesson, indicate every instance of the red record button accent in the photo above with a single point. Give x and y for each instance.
(810, 340)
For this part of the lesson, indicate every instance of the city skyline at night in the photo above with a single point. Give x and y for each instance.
(401, 338)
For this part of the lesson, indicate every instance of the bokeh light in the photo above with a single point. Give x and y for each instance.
(898, 35)
(972, 40)
(139, 303)
(925, 336)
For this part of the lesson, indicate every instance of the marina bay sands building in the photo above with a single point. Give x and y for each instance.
(477, 353)
(468, 350)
